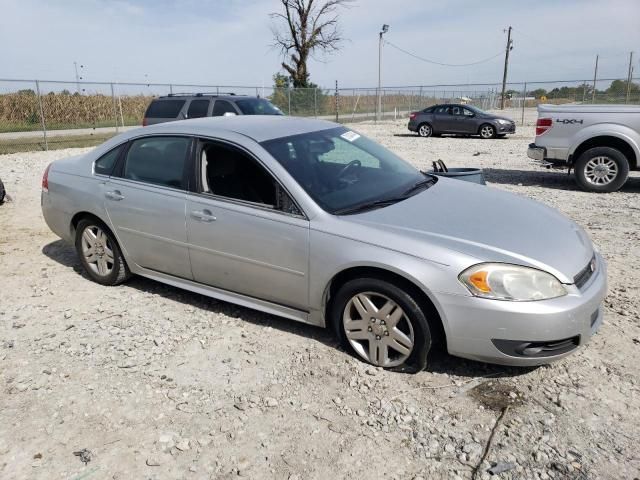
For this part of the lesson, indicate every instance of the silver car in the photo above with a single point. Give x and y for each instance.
(309, 220)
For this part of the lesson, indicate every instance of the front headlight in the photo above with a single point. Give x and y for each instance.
(501, 281)
(503, 122)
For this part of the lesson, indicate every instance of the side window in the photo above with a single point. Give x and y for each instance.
(228, 172)
(198, 108)
(443, 110)
(104, 165)
(221, 107)
(467, 112)
(456, 110)
(164, 108)
(157, 160)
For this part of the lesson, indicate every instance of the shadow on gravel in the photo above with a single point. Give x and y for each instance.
(555, 179)
(65, 255)
(439, 361)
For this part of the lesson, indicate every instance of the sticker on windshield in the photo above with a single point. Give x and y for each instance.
(350, 136)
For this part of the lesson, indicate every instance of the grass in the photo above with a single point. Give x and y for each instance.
(55, 143)
(10, 126)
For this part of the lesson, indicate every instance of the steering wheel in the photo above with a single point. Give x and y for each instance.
(348, 167)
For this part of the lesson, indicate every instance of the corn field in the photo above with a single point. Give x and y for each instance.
(62, 110)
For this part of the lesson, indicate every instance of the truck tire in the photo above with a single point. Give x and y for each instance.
(601, 169)
(2, 192)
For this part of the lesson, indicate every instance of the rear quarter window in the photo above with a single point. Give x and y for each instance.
(104, 165)
(164, 108)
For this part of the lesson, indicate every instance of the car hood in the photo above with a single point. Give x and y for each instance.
(490, 116)
(484, 223)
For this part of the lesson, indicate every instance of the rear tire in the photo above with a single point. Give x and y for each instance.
(601, 169)
(382, 324)
(425, 130)
(99, 253)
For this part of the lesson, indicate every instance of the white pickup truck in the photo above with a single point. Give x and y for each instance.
(601, 143)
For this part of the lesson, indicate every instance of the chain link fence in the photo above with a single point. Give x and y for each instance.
(43, 115)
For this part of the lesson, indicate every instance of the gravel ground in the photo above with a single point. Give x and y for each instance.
(148, 381)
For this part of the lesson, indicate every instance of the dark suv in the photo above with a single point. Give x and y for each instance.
(182, 106)
(460, 120)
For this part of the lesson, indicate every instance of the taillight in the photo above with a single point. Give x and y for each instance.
(45, 179)
(413, 115)
(144, 122)
(543, 125)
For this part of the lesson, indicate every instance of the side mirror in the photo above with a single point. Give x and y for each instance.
(229, 114)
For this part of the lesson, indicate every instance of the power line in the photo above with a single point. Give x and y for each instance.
(440, 63)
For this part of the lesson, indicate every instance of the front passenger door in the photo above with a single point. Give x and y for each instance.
(246, 234)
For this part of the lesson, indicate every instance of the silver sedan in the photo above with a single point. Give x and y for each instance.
(309, 220)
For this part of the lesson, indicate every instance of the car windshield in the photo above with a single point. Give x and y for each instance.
(345, 172)
(257, 106)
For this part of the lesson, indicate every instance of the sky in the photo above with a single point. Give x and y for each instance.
(228, 42)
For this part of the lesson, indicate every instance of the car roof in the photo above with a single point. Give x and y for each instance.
(257, 127)
(191, 96)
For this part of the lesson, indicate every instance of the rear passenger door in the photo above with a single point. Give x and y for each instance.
(444, 122)
(198, 108)
(145, 199)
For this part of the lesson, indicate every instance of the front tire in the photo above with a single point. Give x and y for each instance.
(425, 130)
(99, 253)
(601, 169)
(487, 131)
(382, 324)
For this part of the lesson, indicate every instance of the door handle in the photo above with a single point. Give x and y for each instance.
(115, 195)
(203, 215)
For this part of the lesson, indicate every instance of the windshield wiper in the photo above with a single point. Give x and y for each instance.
(422, 184)
(369, 206)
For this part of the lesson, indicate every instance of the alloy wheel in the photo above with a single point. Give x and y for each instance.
(97, 250)
(487, 131)
(600, 171)
(378, 329)
(424, 130)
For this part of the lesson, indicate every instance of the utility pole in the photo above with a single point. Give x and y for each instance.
(385, 29)
(506, 66)
(75, 65)
(595, 76)
(629, 76)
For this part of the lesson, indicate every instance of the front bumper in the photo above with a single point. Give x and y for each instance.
(524, 333)
(503, 129)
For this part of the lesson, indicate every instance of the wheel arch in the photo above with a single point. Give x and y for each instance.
(424, 298)
(84, 214)
(621, 144)
(487, 122)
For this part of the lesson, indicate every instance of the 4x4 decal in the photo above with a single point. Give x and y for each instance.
(568, 121)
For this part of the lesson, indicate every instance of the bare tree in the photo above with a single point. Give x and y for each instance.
(306, 27)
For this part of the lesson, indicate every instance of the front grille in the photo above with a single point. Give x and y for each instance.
(519, 348)
(585, 274)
